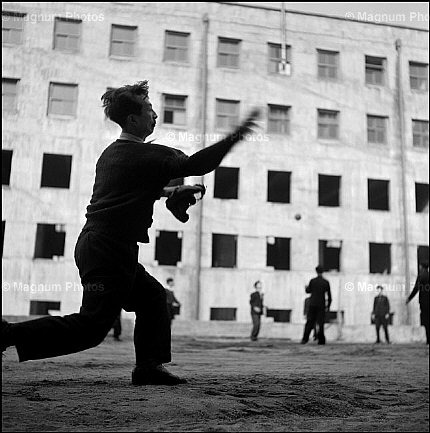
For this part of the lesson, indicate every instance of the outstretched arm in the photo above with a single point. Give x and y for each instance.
(209, 158)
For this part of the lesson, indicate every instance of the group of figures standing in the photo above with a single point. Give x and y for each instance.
(317, 305)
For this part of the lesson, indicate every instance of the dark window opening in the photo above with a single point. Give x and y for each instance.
(378, 194)
(278, 253)
(223, 314)
(328, 190)
(380, 258)
(279, 315)
(168, 248)
(422, 197)
(50, 240)
(329, 255)
(42, 308)
(224, 251)
(331, 317)
(6, 163)
(278, 186)
(56, 170)
(226, 183)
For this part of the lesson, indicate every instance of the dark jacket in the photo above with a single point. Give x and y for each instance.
(318, 287)
(129, 179)
(422, 286)
(381, 306)
(171, 299)
(256, 301)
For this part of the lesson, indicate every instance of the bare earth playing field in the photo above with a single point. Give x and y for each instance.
(234, 385)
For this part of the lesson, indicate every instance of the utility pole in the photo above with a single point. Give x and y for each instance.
(401, 115)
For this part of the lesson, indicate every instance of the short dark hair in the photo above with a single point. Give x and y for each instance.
(379, 287)
(119, 103)
(256, 283)
(169, 280)
(319, 269)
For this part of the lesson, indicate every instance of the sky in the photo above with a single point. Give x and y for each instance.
(399, 13)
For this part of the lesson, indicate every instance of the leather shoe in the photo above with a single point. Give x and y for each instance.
(154, 376)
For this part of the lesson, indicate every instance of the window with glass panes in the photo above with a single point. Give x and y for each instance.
(123, 40)
(420, 133)
(327, 64)
(174, 109)
(275, 57)
(228, 53)
(9, 88)
(227, 114)
(418, 76)
(176, 47)
(67, 34)
(12, 27)
(328, 124)
(62, 99)
(375, 70)
(278, 119)
(376, 129)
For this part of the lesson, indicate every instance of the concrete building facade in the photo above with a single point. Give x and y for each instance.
(351, 109)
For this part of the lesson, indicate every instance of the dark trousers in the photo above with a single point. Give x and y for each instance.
(117, 328)
(112, 279)
(316, 316)
(425, 319)
(256, 323)
(381, 321)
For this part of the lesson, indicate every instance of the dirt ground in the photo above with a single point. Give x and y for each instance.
(234, 385)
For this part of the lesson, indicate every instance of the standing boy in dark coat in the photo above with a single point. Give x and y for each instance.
(171, 300)
(381, 314)
(257, 308)
(319, 288)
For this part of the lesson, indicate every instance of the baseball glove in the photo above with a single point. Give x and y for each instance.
(182, 198)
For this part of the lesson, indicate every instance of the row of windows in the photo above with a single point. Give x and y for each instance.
(123, 43)
(56, 173)
(50, 241)
(63, 98)
(226, 186)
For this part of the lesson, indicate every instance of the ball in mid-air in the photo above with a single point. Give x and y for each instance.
(298, 217)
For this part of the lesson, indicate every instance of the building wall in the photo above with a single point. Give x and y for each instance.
(30, 132)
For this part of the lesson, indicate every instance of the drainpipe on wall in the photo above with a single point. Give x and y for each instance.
(203, 145)
(401, 113)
